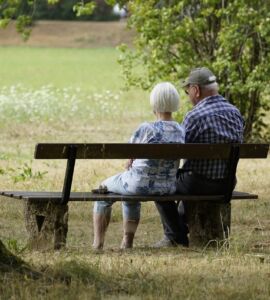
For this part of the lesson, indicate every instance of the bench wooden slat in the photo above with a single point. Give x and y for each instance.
(88, 196)
(151, 151)
(254, 150)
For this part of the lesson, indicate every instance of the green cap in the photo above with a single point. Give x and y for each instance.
(199, 76)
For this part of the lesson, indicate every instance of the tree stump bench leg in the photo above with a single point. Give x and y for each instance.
(46, 224)
(209, 223)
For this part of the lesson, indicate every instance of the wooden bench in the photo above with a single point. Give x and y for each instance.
(209, 216)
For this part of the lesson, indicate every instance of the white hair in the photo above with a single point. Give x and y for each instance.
(164, 98)
(210, 87)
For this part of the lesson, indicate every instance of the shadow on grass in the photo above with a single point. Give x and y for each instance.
(118, 275)
(57, 279)
(9, 263)
(131, 282)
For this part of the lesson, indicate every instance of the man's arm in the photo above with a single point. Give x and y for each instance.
(192, 129)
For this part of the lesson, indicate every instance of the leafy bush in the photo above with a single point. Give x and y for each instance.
(230, 37)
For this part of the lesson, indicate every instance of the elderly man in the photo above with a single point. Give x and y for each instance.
(212, 120)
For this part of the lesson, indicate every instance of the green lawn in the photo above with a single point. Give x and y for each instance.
(88, 69)
(74, 95)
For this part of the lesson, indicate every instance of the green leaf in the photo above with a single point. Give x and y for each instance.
(84, 9)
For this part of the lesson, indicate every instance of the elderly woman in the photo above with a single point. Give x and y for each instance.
(143, 176)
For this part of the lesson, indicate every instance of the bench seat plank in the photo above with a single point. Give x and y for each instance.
(88, 196)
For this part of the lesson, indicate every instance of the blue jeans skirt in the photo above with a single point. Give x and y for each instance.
(131, 210)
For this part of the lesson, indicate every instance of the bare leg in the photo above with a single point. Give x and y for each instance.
(129, 229)
(101, 222)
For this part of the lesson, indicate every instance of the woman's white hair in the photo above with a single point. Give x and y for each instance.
(164, 98)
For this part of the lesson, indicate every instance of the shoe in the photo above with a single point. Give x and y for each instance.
(165, 243)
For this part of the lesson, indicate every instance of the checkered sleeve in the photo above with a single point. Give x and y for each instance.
(192, 128)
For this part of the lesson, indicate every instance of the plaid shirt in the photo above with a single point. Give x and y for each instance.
(212, 120)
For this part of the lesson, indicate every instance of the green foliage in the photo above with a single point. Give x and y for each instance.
(180, 114)
(25, 11)
(19, 10)
(83, 9)
(14, 246)
(230, 37)
(26, 173)
(96, 10)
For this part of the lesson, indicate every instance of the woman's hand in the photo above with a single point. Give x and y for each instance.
(129, 164)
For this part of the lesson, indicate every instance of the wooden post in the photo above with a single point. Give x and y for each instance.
(47, 224)
(209, 223)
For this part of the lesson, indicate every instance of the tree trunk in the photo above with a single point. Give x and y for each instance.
(209, 223)
(11, 263)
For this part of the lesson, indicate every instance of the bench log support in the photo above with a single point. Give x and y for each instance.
(209, 223)
(46, 224)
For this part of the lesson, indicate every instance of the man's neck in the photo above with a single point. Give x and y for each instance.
(205, 95)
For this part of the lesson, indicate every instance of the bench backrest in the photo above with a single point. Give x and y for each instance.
(71, 152)
(151, 151)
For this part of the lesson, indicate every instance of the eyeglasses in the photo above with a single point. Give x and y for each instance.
(187, 89)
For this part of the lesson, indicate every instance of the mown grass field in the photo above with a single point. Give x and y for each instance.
(74, 95)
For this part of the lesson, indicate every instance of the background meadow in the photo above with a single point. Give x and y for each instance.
(77, 95)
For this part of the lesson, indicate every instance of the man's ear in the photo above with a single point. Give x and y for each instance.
(198, 92)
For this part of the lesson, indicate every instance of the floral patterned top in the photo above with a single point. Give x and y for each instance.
(153, 176)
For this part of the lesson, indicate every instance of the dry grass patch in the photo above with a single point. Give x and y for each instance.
(148, 274)
(70, 34)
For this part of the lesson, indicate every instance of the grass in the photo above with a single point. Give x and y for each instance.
(74, 95)
(88, 69)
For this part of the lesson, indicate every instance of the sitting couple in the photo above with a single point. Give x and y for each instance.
(212, 120)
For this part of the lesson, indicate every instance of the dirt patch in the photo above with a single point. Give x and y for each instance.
(70, 34)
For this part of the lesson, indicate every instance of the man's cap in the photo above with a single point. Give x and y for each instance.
(199, 76)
